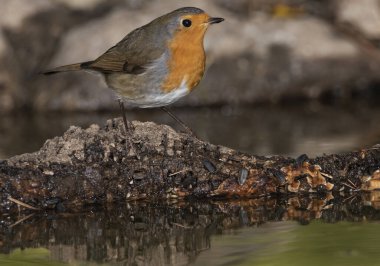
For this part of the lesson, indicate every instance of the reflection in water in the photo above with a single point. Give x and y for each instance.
(28, 257)
(291, 130)
(226, 233)
(289, 244)
(341, 231)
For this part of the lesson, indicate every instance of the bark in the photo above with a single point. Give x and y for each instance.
(98, 166)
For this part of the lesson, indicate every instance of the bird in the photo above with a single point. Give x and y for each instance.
(155, 64)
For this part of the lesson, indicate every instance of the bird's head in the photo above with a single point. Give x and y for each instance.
(189, 22)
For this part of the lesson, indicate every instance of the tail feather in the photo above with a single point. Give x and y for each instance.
(72, 67)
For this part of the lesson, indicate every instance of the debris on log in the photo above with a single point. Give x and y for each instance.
(98, 166)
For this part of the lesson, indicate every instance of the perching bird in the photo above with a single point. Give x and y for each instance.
(156, 64)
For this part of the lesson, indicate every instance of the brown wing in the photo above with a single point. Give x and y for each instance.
(131, 55)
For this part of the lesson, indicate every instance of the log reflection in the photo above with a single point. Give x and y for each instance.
(170, 233)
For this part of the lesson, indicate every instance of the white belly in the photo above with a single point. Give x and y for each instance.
(160, 98)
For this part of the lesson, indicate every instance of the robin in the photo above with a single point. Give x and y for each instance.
(156, 64)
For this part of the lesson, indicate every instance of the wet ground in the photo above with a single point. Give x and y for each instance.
(291, 231)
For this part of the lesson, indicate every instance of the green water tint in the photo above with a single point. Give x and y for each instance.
(28, 257)
(271, 244)
(284, 243)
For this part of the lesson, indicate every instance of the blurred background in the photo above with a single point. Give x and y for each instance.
(283, 76)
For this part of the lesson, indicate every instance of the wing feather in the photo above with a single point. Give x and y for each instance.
(131, 55)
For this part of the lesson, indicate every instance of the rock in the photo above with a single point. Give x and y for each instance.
(253, 56)
(99, 35)
(80, 4)
(12, 16)
(27, 44)
(279, 59)
(290, 8)
(11, 19)
(254, 73)
(364, 15)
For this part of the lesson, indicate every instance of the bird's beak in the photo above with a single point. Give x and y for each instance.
(215, 20)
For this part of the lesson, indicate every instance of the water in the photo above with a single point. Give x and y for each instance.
(291, 231)
(254, 232)
(288, 243)
(288, 130)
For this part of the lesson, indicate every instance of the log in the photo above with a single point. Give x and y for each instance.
(99, 165)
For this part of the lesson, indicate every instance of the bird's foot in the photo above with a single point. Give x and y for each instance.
(191, 132)
(129, 141)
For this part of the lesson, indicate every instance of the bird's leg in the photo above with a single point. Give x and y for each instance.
(128, 133)
(122, 109)
(179, 121)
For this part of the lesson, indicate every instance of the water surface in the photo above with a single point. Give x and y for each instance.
(292, 130)
(309, 231)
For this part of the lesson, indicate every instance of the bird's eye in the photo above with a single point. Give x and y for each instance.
(186, 23)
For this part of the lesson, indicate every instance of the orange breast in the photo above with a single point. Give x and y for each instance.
(187, 59)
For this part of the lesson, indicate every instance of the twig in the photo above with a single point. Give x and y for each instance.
(179, 172)
(353, 198)
(183, 226)
(20, 203)
(352, 183)
(347, 185)
(350, 197)
(327, 175)
(21, 220)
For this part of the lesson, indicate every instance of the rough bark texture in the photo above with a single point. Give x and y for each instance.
(97, 165)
